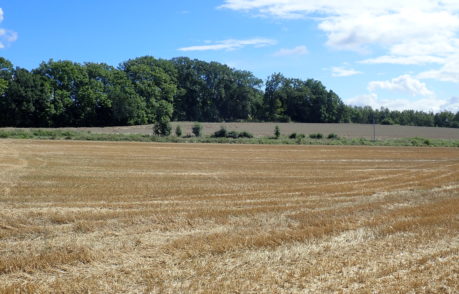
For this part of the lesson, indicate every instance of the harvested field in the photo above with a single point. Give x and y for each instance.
(104, 217)
(267, 129)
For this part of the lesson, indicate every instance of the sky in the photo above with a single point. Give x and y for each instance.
(399, 54)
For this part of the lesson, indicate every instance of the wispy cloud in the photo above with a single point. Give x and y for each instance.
(344, 72)
(6, 36)
(231, 44)
(299, 50)
(404, 83)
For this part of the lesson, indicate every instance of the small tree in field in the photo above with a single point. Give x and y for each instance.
(197, 129)
(162, 126)
(276, 132)
(178, 131)
(222, 133)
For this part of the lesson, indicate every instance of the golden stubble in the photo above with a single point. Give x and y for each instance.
(105, 217)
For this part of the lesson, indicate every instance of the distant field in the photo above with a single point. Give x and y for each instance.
(267, 129)
(124, 217)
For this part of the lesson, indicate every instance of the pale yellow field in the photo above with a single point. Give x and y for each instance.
(101, 217)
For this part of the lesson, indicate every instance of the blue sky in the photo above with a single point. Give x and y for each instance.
(401, 54)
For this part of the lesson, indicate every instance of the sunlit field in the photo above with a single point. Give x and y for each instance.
(103, 217)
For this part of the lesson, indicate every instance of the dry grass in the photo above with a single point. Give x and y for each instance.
(89, 217)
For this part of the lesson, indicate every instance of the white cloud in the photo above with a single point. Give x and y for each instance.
(452, 105)
(404, 60)
(412, 32)
(231, 44)
(344, 72)
(353, 24)
(404, 83)
(449, 72)
(6, 36)
(299, 50)
(428, 104)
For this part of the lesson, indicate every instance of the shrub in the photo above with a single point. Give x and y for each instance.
(299, 138)
(276, 132)
(178, 131)
(162, 128)
(388, 121)
(316, 136)
(245, 134)
(332, 136)
(197, 129)
(293, 136)
(232, 134)
(220, 133)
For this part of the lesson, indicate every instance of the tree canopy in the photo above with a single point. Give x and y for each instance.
(149, 90)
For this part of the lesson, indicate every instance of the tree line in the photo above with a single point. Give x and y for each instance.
(149, 90)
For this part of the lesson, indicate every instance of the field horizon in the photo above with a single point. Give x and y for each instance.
(265, 129)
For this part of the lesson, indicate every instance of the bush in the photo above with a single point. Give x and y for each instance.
(333, 136)
(245, 134)
(178, 131)
(387, 122)
(197, 129)
(232, 134)
(162, 128)
(220, 133)
(276, 132)
(299, 138)
(293, 136)
(316, 136)
(223, 133)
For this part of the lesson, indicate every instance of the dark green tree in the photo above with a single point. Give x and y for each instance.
(277, 132)
(197, 129)
(27, 101)
(162, 125)
(178, 131)
(151, 82)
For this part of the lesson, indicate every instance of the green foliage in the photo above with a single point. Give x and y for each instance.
(148, 90)
(178, 131)
(300, 139)
(316, 136)
(162, 128)
(277, 132)
(232, 134)
(417, 141)
(215, 92)
(293, 135)
(81, 135)
(221, 133)
(245, 134)
(197, 130)
(333, 136)
(163, 115)
(387, 121)
(3, 86)
(288, 99)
